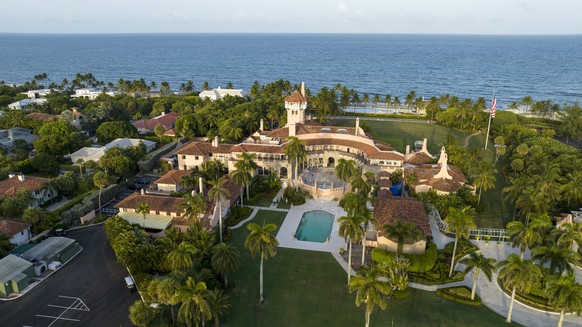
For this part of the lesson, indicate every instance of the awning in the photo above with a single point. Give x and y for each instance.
(151, 221)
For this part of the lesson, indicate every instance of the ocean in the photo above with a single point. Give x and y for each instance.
(467, 66)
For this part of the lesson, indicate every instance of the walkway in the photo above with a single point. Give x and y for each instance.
(466, 143)
(492, 295)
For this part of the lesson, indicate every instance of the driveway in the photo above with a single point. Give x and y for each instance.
(89, 291)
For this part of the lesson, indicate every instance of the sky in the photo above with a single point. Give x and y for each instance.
(298, 16)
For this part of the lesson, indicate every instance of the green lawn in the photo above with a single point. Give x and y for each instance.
(306, 288)
(400, 134)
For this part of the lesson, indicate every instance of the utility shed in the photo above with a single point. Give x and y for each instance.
(53, 249)
(15, 273)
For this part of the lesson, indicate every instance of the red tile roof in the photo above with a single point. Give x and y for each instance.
(419, 158)
(167, 120)
(10, 227)
(8, 187)
(296, 96)
(156, 202)
(198, 148)
(40, 116)
(387, 209)
(426, 173)
(172, 177)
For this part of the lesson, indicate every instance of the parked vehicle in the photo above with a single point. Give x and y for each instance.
(130, 283)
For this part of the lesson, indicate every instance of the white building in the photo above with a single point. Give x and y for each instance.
(221, 93)
(92, 94)
(8, 136)
(18, 232)
(35, 94)
(95, 154)
(26, 104)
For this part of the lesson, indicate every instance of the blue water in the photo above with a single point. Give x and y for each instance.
(545, 67)
(315, 226)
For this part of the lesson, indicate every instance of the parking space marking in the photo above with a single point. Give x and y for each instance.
(77, 304)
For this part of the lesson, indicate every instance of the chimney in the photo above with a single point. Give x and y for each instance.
(292, 129)
(216, 141)
(357, 125)
(303, 88)
(444, 172)
(442, 157)
(142, 191)
(11, 175)
(407, 149)
(21, 177)
(262, 125)
(424, 143)
(201, 185)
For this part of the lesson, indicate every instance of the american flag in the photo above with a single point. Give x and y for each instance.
(493, 107)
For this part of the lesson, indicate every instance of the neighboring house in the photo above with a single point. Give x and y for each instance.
(41, 117)
(95, 153)
(77, 119)
(92, 94)
(26, 104)
(18, 232)
(387, 209)
(35, 94)
(221, 93)
(167, 120)
(39, 187)
(171, 180)
(8, 136)
(164, 211)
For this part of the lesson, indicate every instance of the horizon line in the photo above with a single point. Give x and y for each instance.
(287, 33)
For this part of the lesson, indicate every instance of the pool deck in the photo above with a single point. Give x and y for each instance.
(286, 234)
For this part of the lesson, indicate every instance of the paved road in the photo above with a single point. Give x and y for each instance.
(94, 277)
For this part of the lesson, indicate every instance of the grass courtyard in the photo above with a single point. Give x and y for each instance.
(306, 288)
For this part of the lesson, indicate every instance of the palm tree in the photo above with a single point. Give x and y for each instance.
(166, 291)
(370, 290)
(354, 204)
(568, 234)
(160, 130)
(224, 259)
(459, 221)
(261, 241)
(194, 309)
(515, 273)
(182, 256)
(571, 192)
(527, 101)
(193, 206)
(345, 169)
(240, 178)
(402, 233)
(484, 177)
(218, 193)
(142, 208)
(351, 230)
(80, 162)
(564, 294)
(101, 180)
(189, 182)
(246, 163)
(218, 303)
(361, 185)
(525, 236)
(557, 256)
(481, 263)
(295, 152)
(368, 219)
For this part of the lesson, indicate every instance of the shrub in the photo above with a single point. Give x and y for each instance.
(423, 262)
(294, 196)
(236, 214)
(402, 294)
(147, 164)
(459, 294)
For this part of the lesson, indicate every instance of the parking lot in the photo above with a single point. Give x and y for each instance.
(141, 182)
(89, 291)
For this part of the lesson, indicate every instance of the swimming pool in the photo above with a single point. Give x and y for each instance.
(315, 226)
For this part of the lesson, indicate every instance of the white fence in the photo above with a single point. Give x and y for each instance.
(476, 233)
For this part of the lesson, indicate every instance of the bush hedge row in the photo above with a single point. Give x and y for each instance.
(148, 163)
(459, 294)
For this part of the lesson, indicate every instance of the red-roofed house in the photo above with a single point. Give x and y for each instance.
(167, 120)
(170, 182)
(39, 187)
(18, 232)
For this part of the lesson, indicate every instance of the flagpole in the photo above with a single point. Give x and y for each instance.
(489, 124)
